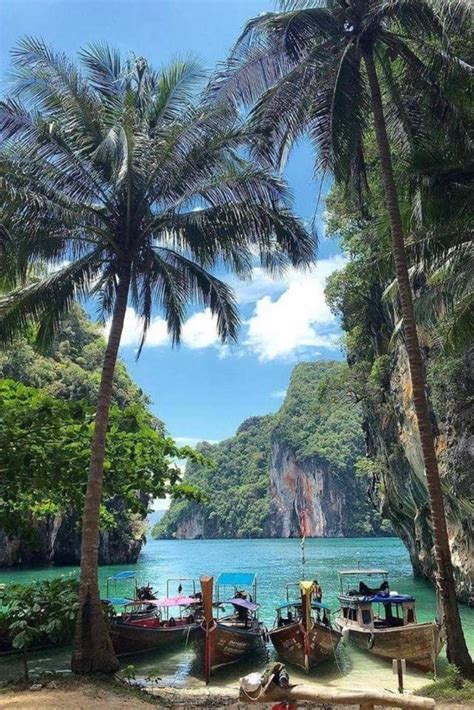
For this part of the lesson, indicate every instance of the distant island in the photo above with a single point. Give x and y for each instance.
(301, 458)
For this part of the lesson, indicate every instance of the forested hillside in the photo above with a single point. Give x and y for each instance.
(70, 367)
(310, 446)
(47, 407)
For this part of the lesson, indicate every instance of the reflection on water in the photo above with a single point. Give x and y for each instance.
(179, 668)
(276, 563)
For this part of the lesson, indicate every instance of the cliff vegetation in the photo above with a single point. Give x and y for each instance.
(315, 436)
(47, 406)
(436, 199)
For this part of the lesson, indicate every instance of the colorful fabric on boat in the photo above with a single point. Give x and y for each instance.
(236, 579)
(251, 606)
(177, 601)
(118, 601)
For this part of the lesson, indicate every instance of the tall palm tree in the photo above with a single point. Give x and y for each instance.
(315, 68)
(137, 193)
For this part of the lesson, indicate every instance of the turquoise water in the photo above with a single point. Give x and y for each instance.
(276, 563)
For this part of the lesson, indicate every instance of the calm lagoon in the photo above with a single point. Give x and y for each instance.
(276, 563)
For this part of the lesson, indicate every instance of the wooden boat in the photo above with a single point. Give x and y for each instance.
(304, 637)
(228, 639)
(384, 623)
(139, 629)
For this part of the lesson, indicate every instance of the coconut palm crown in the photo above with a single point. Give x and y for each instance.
(136, 193)
(338, 70)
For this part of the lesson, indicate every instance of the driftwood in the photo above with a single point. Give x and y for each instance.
(367, 700)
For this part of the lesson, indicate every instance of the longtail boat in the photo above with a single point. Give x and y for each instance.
(148, 625)
(384, 623)
(303, 634)
(228, 639)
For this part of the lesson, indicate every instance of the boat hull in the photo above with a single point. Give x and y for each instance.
(289, 643)
(418, 644)
(230, 644)
(131, 638)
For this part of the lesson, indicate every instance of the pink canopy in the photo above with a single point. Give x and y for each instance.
(177, 601)
(167, 601)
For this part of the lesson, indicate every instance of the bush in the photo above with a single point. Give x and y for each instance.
(38, 614)
(451, 688)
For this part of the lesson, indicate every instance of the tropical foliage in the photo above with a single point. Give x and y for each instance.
(332, 70)
(47, 408)
(319, 420)
(44, 452)
(38, 614)
(69, 368)
(136, 192)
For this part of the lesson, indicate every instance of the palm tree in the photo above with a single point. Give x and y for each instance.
(115, 174)
(315, 68)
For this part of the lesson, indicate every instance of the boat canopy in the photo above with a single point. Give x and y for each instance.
(251, 606)
(122, 575)
(118, 601)
(314, 605)
(236, 579)
(383, 599)
(177, 601)
(166, 602)
(362, 572)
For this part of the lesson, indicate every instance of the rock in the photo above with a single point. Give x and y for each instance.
(399, 485)
(36, 686)
(56, 541)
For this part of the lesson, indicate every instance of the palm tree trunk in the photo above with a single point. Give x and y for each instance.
(457, 650)
(93, 651)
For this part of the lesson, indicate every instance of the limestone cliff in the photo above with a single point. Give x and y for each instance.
(305, 485)
(301, 458)
(56, 541)
(399, 483)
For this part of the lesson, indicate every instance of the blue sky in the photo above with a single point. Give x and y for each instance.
(202, 390)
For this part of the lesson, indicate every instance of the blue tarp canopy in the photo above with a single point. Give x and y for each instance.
(118, 601)
(122, 575)
(386, 599)
(314, 605)
(236, 579)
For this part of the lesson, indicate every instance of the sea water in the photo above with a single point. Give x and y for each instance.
(276, 563)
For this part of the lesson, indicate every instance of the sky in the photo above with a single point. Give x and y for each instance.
(203, 390)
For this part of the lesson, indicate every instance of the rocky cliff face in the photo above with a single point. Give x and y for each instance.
(399, 483)
(56, 541)
(304, 485)
(301, 458)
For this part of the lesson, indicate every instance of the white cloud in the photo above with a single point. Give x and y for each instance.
(261, 284)
(290, 317)
(200, 330)
(132, 331)
(297, 320)
(278, 394)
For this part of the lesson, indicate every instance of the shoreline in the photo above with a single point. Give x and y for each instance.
(101, 693)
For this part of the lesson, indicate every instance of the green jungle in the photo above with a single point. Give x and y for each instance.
(138, 186)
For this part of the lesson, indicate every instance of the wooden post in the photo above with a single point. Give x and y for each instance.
(208, 625)
(305, 590)
(398, 667)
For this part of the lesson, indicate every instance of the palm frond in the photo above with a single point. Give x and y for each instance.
(204, 289)
(47, 301)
